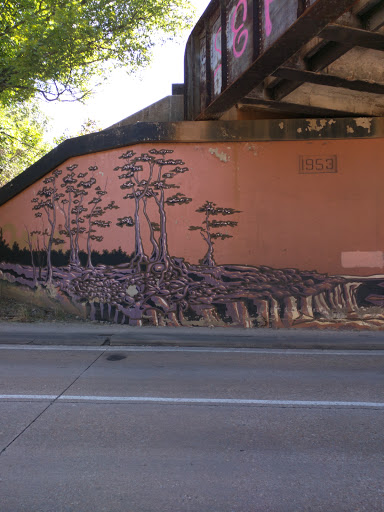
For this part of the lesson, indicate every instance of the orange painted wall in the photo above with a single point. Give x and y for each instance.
(331, 222)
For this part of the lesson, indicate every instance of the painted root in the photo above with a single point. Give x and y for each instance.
(157, 288)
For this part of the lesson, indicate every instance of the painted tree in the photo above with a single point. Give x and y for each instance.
(31, 245)
(138, 186)
(40, 250)
(65, 205)
(47, 202)
(208, 230)
(40, 244)
(95, 221)
(77, 222)
(84, 188)
(34, 248)
(149, 177)
(71, 204)
(152, 185)
(161, 185)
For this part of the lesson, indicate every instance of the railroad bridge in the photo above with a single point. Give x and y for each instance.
(248, 59)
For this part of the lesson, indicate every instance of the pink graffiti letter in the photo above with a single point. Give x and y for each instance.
(268, 23)
(238, 32)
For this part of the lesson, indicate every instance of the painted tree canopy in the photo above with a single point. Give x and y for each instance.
(54, 47)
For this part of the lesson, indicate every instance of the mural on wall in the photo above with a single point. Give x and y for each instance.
(71, 211)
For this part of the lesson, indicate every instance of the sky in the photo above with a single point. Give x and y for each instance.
(124, 94)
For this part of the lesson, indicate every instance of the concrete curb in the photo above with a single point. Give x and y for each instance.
(112, 335)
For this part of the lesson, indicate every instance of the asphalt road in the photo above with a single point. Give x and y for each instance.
(161, 429)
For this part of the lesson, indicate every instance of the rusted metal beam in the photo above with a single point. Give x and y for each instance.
(310, 24)
(320, 57)
(332, 50)
(363, 7)
(302, 5)
(299, 75)
(375, 18)
(248, 103)
(328, 54)
(353, 36)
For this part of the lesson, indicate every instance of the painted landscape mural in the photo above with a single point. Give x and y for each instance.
(135, 277)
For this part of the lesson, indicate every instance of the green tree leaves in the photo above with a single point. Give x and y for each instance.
(21, 138)
(54, 47)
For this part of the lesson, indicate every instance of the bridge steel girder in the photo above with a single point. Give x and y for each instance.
(267, 55)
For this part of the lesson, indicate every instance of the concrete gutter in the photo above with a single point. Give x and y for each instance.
(89, 334)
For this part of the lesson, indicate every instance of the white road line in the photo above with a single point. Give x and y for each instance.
(272, 351)
(203, 401)
(28, 397)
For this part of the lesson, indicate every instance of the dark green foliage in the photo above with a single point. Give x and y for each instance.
(60, 258)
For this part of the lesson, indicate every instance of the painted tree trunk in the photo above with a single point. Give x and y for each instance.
(155, 246)
(76, 258)
(72, 252)
(163, 256)
(30, 245)
(52, 223)
(89, 246)
(89, 250)
(208, 258)
(139, 250)
(49, 262)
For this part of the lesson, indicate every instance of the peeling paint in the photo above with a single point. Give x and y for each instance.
(254, 149)
(316, 125)
(223, 157)
(331, 122)
(350, 129)
(281, 125)
(364, 123)
(225, 132)
(299, 130)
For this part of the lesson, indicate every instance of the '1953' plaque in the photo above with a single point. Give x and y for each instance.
(317, 164)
